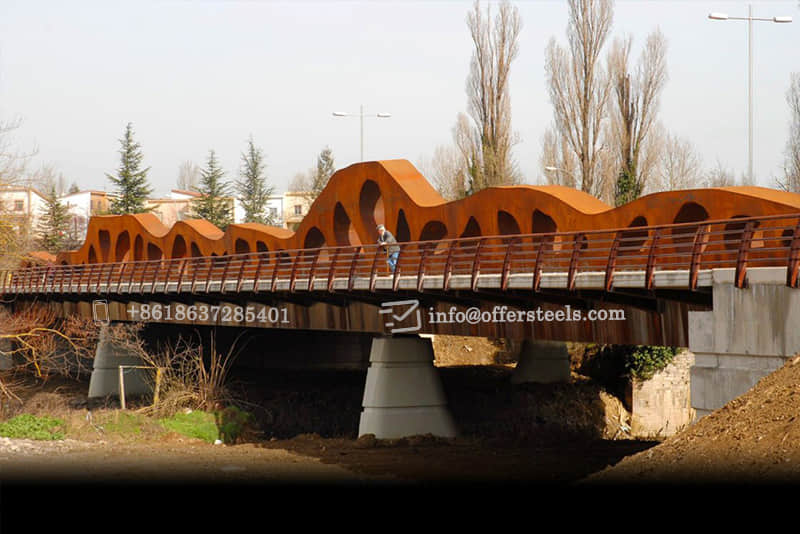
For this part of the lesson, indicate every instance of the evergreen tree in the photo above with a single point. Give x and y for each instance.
(324, 171)
(74, 188)
(252, 189)
(214, 204)
(53, 223)
(130, 181)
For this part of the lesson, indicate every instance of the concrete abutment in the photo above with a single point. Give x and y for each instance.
(750, 333)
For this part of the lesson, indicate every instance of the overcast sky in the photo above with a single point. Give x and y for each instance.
(192, 76)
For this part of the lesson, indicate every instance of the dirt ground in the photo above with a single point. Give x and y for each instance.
(755, 438)
(307, 425)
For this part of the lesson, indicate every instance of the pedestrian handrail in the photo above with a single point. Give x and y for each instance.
(740, 243)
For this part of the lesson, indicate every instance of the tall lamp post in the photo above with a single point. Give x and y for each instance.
(749, 18)
(361, 115)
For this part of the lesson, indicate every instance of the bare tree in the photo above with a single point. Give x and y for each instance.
(188, 176)
(300, 182)
(556, 159)
(46, 178)
(720, 176)
(579, 89)
(791, 166)
(636, 98)
(447, 172)
(679, 166)
(496, 44)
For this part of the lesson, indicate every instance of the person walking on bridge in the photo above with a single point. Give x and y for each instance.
(388, 241)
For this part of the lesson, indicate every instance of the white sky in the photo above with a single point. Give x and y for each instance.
(198, 75)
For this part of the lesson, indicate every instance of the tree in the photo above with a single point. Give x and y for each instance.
(130, 181)
(313, 181)
(53, 223)
(74, 188)
(323, 172)
(791, 165)
(188, 175)
(447, 172)
(679, 166)
(636, 99)
(486, 141)
(579, 90)
(720, 176)
(252, 189)
(214, 203)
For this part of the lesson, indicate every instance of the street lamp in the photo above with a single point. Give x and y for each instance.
(556, 169)
(361, 115)
(749, 18)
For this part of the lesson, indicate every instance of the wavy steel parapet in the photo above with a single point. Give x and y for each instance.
(396, 194)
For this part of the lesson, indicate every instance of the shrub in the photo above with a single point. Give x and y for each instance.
(644, 361)
(233, 424)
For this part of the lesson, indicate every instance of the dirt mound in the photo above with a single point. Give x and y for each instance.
(753, 438)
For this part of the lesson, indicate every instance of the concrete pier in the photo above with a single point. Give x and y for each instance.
(542, 362)
(403, 395)
(105, 371)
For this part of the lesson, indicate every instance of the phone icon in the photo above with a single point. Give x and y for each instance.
(100, 311)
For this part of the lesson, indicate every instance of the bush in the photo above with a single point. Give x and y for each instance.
(644, 360)
(233, 424)
(616, 365)
(29, 426)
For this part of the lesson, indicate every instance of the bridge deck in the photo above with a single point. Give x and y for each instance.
(677, 279)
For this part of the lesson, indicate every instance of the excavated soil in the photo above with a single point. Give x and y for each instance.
(754, 438)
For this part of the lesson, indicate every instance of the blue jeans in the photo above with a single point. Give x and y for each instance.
(392, 261)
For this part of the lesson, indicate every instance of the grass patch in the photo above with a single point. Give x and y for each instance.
(29, 426)
(196, 424)
(124, 423)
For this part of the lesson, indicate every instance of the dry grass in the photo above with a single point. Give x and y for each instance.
(193, 376)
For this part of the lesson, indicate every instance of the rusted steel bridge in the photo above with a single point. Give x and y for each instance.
(654, 273)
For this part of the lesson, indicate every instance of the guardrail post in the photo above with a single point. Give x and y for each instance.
(297, 255)
(351, 274)
(225, 273)
(793, 265)
(373, 274)
(421, 269)
(476, 264)
(332, 269)
(507, 263)
(649, 272)
(396, 274)
(313, 272)
(611, 265)
(537, 268)
(697, 252)
(741, 257)
(448, 267)
(573, 260)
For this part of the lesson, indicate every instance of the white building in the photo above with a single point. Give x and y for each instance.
(295, 207)
(81, 206)
(22, 206)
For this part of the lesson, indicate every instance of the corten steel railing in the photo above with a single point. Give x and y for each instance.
(734, 243)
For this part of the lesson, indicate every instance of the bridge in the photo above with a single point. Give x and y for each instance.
(726, 288)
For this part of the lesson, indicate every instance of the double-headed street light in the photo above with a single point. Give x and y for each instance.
(749, 18)
(361, 115)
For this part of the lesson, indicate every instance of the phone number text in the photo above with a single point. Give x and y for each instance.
(207, 313)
